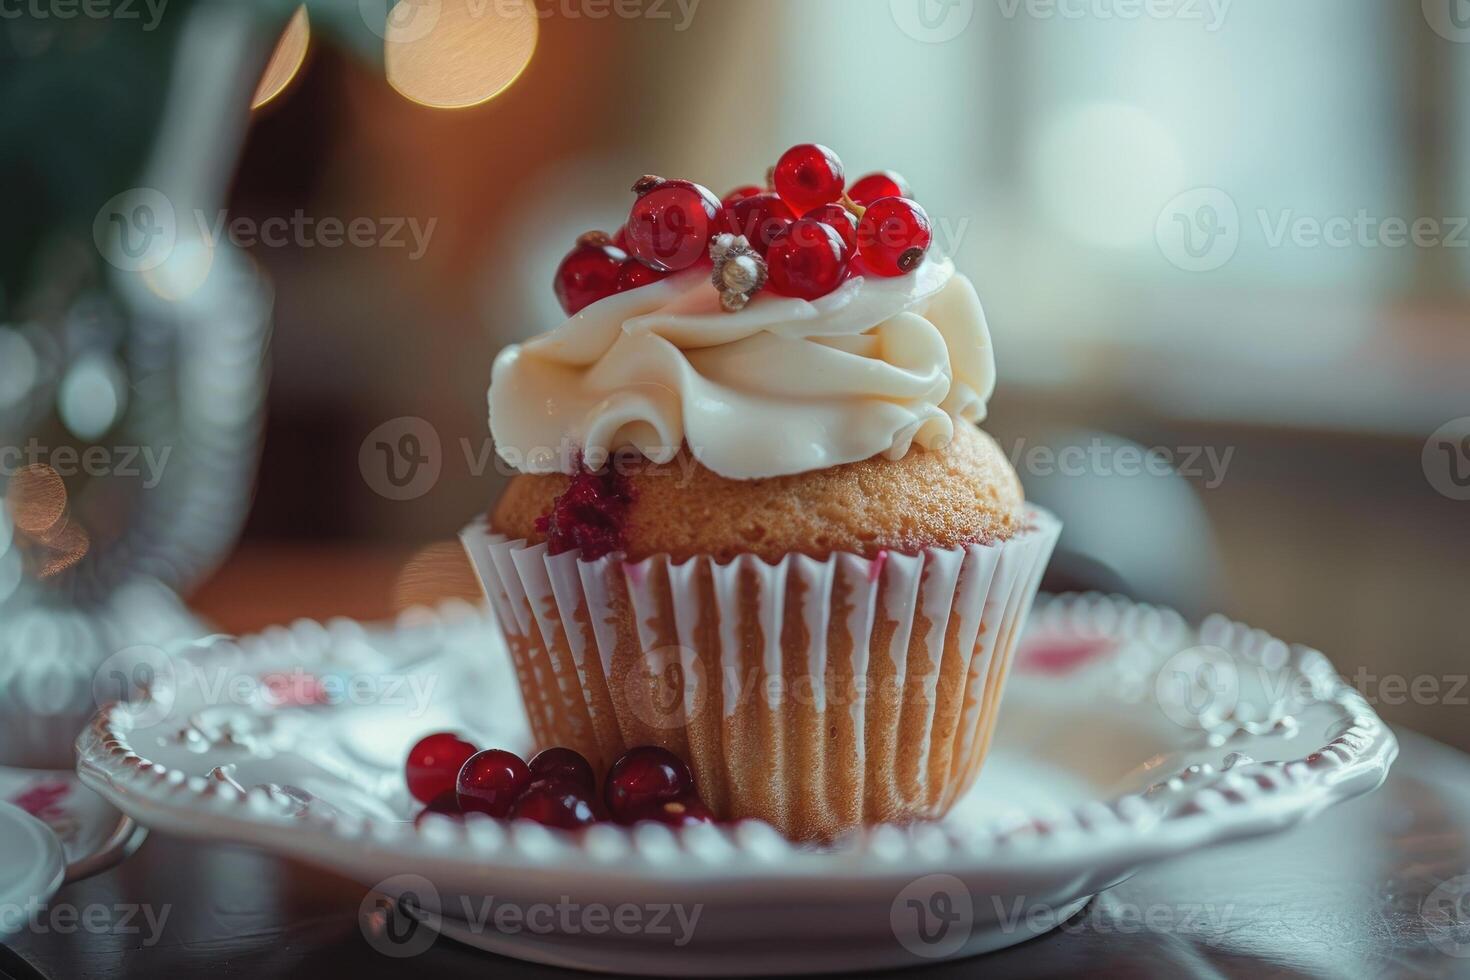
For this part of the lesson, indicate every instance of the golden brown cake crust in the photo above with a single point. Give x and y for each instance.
(963, 493)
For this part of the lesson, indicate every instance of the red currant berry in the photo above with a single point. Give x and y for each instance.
(554, 803)
(885, 183)
(589, 272)
(620, 237)
(645, 775)
(683, 812)
(565, 765)
(635, 274)
(671, 223)
(741, 193)
(840, 220)
(809, 175)
(434, 764)
(445, 805)
(590, 514)
(894, 236)
(490, 781)
(807, 260)
(760, 218)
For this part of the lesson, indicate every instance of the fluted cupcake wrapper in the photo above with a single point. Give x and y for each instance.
(815, 695)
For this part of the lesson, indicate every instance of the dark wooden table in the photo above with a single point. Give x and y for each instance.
(1342, 896)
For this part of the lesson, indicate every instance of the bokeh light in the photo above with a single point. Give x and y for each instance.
(65, 546)
(93, 395)
(285, 61)
(36, 498)
(18, 366)
(470, 54)
(185, 269)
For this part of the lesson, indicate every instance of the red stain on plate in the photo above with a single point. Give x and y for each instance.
(294, 689)
(1060, 654)
(43, 800)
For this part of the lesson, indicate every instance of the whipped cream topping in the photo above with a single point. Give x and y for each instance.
(784, 386)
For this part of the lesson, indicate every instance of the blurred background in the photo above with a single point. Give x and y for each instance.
(1223, 248)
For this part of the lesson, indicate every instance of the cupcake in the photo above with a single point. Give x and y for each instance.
(753, 519)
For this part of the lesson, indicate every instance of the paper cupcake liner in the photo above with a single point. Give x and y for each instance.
(815, 695)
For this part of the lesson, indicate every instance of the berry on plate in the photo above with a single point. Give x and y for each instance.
(566, 765)
(643, 776)
(444, 805)
(434, 763)
(490, 782)
(683, 812)
(554, 803)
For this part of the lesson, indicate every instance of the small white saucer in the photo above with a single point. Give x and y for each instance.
(81, 820)
(1126, 738)
(32, 867)
(53, 831)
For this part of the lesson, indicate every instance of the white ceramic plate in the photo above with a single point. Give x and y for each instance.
(1126, 737)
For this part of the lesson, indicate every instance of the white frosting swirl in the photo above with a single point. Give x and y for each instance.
(783, 386)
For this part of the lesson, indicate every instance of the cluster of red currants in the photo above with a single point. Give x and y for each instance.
(557, 788)
(812, 230)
